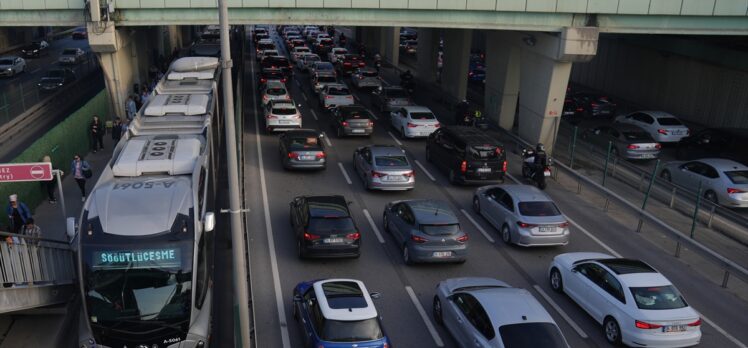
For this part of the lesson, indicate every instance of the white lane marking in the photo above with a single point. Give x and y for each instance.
(345, 174)
(395, 138)
(327, 139)
(314, 114)
(722, 331)
(304, 95)
(560, 312)
(426, 171)
(269, 229)
(424, 316)
(355, 96)
(373, 226)
(374, 116)
(579, 227)
(297, 83)
(475, 223)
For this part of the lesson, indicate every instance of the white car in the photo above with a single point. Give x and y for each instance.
(322, 79)
(297, 52)
(321, 66)
(274, 90)
(266, 53)
(663, 127)
(12, 65)
(71, 56)
(636, 305)
(281, 115)
(306, 61)
(366, 78)
(335, 94)
(336, 53)
(414, 121)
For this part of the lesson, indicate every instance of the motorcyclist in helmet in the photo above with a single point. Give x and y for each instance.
(462, 114)
(538, 157)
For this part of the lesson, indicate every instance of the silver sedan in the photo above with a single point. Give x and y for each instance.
(723, 181)
(384, 167)
(524, 214)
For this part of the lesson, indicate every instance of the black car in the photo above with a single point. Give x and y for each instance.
(35, 49)
(272, 74)
(277, 62)
(324, 227)
(727, 143)
(591, 105)
(302, 149)
(352, 120)
(468, 155)
(55, 79)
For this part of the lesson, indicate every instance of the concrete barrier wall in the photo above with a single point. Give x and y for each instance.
(61, 143)
(697, 91)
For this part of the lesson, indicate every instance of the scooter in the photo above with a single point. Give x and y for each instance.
(533, 171)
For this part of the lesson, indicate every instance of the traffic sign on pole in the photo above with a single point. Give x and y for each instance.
(18, 172)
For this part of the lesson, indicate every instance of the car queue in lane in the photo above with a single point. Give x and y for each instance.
(445, 228)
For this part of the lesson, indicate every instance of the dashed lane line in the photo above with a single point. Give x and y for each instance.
(314, 114)
(423, 168)
(373, 226)
(475, 223)
(345, 174)
(425, 317)
(560, 312)
(395, 138)
(327, 139)
(723, 332)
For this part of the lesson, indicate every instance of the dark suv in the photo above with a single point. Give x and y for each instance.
(468, 155)
(324, 227)
(727, 143)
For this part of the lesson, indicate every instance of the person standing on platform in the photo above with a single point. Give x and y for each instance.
(18, 213)
(81, 171)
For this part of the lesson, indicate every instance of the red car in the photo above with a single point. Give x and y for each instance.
(350, 63)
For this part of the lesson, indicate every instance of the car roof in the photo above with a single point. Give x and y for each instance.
(472, 135)
(274, 84)
(626, 266)
(722, 163)
(327, 206)
(344, 300)
(336, 85)
(525, 193)
(511, 306)
(416, 108)
(657, 114)
(265, 41)
(386, 150)
(637, 280)
(431, 211)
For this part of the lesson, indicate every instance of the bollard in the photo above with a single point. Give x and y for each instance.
(641, 180)
(607, 159)
(579, 184)
(725, 278)
(696, 210)
(711, 216)
(672, 197)
(607, 204)
(573, 147)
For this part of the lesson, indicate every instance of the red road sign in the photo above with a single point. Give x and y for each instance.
(15, 172)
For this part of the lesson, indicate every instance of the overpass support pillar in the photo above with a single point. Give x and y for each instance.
(428, 49)
(457, 44)
(502, 81)
(390, 44)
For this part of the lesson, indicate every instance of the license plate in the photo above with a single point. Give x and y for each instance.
(358, 130)
(442, 253)
(547, 173)
(648, 155)
(284, 122)
(674, 328)
(483, 170)
(393, 178)
(547, 229)
(332, 240)
(306, 158)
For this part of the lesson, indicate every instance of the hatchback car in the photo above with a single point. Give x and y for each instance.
(322, 79)
(414, 121)
(349, 63)
(636, 305)
(336, 313)
(337, 53)
(333, 95)
(366, 78)
(274, 90)
(384, 167)
(55, 79)
(71, 56)
(306, 61)
(282, 115)
(523, 214)
(629, 142)
(722, 181)
(317, 67)
(663, 127)
(12, 65)
(468, 155)
(302, 149)
(427, 231)
(389, 99)
(352, 120)
(715, 142)
(324, 227)
(35, 49)
(272, 75)
(488, 313)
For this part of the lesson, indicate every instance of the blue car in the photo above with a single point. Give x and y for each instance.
(477, 75)
(336, 313)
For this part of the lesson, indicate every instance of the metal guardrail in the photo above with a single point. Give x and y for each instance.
(729, 267)
(32, 261)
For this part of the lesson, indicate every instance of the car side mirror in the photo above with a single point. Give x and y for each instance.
(209, 222)
(70, 227)
(375, 295)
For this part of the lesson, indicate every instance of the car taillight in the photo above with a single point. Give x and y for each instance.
(563, 225)
(580, 109)
(418, 239)
(462, 239)
(412, 125)
(734, 190)
(632, 147)
(695, 323)
(347, 64)
(263, 80)
(283, 80)
(310, 236)
(320, 155)
(271, 117)
(345, 123)
(662, 131)
(525, 225)
(371, 123)
(288, 97)
(594, 105)
(349, 97)
(463, 166)
(354, 235)
(470, 73)
(361, 77)
(437, 125)
(646, 326)
(503, 167)
(658, 146)
(293, 155)
(409, 174)
(265, 97)
(361, 64)
(329, 97)
(376, 174)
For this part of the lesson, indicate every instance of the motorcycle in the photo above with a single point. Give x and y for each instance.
(408, 84)
(534, 171)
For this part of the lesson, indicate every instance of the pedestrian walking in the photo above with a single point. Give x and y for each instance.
(97, 134)
(18, 212)
(125, 127)
(145, 94)
(51, 185)
(30, 229)
(81, 171)
(117, 130)
(130, 108)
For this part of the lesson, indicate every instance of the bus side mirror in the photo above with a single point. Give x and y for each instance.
(209, 222)
(70, 225)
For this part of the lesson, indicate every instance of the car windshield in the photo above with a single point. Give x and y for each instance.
(284, 111)
(391, 161)
(338, 91)
(669, 121)
(276, 91)
(395, 93)
(304, 142)
(636, 135)
(422, 116)
(538, 208)
(522, 335)
(55, 74)
(738, 177)
(440, 230)
(658, 297)
(69, 51)
(351, 331)
(6, 61)
(324, 66)
(331, 225)
(484, 151)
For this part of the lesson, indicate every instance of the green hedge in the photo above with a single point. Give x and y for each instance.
(61, 143)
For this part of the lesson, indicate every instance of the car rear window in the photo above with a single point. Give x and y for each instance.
(522, 335)
(324, 66)
(331, 79)
(303, 49)
(276, 91)
(351, 331)
(284, 111)
(369, 73)
(266, 46)
(636, 136)
(69, 51)
(658, 297)
(538, 208)
(440, 230)
(360, 114)
(422, 116)
(391, 161)
(338, 91)
(311, 59)
(483, 152)
(669, 121)
(331, 225)
(738, 177)
(301, 142)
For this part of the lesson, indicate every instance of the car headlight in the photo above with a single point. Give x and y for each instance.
(59, 84)
(9, 69)
(36, 51)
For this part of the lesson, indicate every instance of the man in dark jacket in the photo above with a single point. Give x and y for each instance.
(18, 213)
(97, 134)
(117, 130)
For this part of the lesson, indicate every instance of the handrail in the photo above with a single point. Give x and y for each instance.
(23, 236)
(29, 263)
(704, 251)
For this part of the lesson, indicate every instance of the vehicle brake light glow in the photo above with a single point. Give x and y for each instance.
(525, 225)
(437, 125)
(734, 190)
(345, 123)
(376, 174)
(632, 147)
(463, 238)
(329, 97)
(695, 323)
(580, 109)
(293, 155)
(412, 125)
(418, 239)
(310, 236)
(320, 155)
(662, 131)
(354, 235)
(371, 123)
(658, 146)
(646, 326)
(503, 167)
(463, 166)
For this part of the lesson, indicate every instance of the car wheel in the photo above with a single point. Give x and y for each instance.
(406, 255)
(437, 310)
(711, 196)
(665, 175)
(612, 331)
(557, 284)
(300, 249)
(506, 235)
(476, 204)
